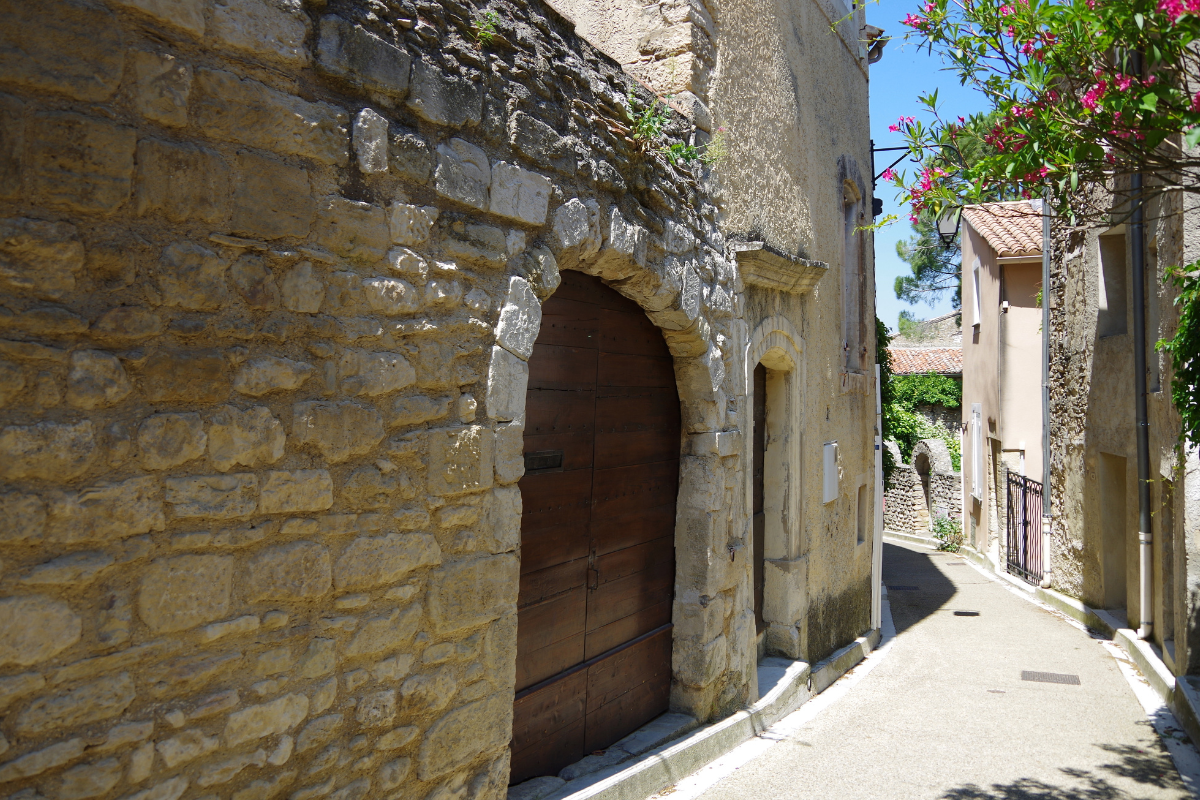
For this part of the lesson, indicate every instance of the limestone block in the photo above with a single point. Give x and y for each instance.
(355, 790)
(357, 231)
(520, 319)
(700, 663)
(162, 86)
(519, 194)
(250, 438)
(186, 15)
(214, 496)
(17, 686)
(320, 659)
(187, 746)
(463, 173)
(541, 143)
(283, 751)
(254, 281)
(271, 199)
(191, 376)
(470, 593)
(39, 257)
(410, 225)
(96, 380)
(377, 560)
(267, 720)
(478, 301)
(575, 233)
(61, 46)
(227, 770)
(12, 382)
(168, 440)
(182, 592)
(74, 569)
(393, 773)
(296, 491)
(39, 761)
(391, 296)
(376, 709)
(45, 321)
(22, 518)
(624, 249)
(508, 378)
(482, 245)
(410, 157)
(385, 633)
(541, 268)
(88, 780)
(443, 99)
(141, 762)
(429, 692)
(510, 460)
(504, 515)
(192, 277)
(245, 111)
(12, 145)
(291, 571)
(78, 162)
(318, 732)
(338, 430)
(362, 59)
(417, 409)
(443, 293)
(460, 459)
(303, 291)
(53, 451)
(34, 628)
(397, 738)
(171, 789)
(371, 142)
(182, 181)
(101, 699)
(261, 29)
(105, 512)
(367, 488)
(266, 374)
(457, 738)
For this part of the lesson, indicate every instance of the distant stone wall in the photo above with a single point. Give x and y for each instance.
(270, 277)
(911, 508)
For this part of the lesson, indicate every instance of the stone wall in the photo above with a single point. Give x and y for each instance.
(271, 274)
(908, 507)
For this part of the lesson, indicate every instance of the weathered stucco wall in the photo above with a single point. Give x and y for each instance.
(270, 278)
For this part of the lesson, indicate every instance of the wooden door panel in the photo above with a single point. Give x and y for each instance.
(570, 323)
(624, 490)
(636, 426)
(539, 665)
(565, 368)
(547, 756)
(632, 560)
(586, 289)
(540, 625)
(546, 583)
(606, 637)
(611, 723)
(546, 709)
(632, 333)
(628, 595)
(640, 662)
(618, 532)
(621, 369)
(550, 499)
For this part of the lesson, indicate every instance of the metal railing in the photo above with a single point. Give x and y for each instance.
(1025, 528)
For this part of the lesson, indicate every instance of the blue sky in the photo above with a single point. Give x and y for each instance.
(896, 82)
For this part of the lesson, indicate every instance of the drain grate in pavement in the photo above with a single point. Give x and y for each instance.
(1049, 677)
(903, 588)
(966, 613)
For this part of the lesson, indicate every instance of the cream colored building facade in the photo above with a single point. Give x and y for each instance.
(1002, 354)
(272, 275)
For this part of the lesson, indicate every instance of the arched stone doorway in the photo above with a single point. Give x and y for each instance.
(924, 515)
(602, 449)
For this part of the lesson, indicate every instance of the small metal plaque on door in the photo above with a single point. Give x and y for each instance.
(544, 461)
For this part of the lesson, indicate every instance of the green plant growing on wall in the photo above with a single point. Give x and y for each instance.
(648, 121)
(484, 27)
(949, 533)
(884, 359)
(906, 426)
(1184, 349)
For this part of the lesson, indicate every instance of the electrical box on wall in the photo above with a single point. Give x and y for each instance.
(829, 485)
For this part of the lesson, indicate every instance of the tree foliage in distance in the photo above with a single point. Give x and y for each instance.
(936, 269)
(907, 426)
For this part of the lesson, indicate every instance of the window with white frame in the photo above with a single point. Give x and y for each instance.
(976, 292)
(977, 451)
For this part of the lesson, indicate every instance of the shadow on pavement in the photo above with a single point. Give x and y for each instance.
(1146, 768)
(916, 587)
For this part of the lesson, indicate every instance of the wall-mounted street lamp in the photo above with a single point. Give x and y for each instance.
(947, 226)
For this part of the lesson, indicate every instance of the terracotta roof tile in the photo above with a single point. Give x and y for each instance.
(921, 360)
(1012, 229)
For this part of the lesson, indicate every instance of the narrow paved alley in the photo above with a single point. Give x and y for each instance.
(946, 714)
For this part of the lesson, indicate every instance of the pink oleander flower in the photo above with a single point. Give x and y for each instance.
(1196, 102)
(1122, 82)
(1006, 10)
(888, 174)
(893, 128)
(914, 21)
(1027, 48)
(1172, 8)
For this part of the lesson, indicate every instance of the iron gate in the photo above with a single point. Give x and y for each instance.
(1025, 528)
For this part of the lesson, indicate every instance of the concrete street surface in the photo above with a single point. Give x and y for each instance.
(946, 714)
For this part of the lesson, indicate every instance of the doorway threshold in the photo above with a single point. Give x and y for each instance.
(673, 746)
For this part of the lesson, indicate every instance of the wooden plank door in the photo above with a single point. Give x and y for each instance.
(602, 440)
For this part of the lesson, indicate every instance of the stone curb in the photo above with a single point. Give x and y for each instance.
(673, 762)
(1178, 695)
(910, 538)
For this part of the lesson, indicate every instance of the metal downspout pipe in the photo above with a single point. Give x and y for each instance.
(1046, 507)
(1137, 236)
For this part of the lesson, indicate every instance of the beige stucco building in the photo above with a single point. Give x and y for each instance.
(375, 407)
(1001, 405)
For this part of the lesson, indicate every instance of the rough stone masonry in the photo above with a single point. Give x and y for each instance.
(269, 277)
